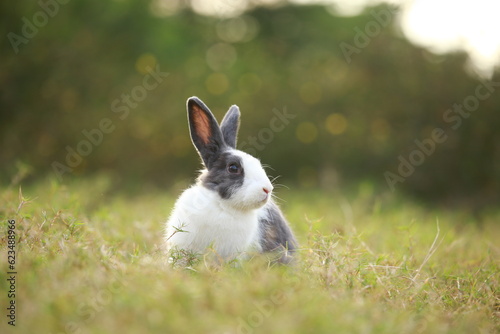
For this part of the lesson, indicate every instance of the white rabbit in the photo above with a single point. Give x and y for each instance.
(230, 207)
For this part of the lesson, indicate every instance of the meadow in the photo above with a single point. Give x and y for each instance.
(88, 260)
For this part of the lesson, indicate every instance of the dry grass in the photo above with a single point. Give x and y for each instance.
(88, 262)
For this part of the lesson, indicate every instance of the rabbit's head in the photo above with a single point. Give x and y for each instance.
(237, 177)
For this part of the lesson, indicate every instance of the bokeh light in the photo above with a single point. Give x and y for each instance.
(145, 63)
(306, 132)
(217, 83)
(239, 29)
(221, 56)
(336, 124)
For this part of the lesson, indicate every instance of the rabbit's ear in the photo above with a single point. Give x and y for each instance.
(230, 125)
(205, 132)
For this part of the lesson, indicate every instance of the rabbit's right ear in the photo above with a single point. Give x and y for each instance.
(230, 125)
(205, 132)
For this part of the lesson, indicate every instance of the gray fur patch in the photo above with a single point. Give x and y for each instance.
(219, 179)
(276, 233)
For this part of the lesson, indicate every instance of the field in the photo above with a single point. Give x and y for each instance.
(88, 261)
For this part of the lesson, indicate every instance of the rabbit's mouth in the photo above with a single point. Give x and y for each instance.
(257, 203)
(265, 199)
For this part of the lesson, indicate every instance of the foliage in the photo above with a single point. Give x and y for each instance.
(88, 261)
(354, 116)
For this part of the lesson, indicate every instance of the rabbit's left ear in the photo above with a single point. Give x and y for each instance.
(205, 132)
(230, 125)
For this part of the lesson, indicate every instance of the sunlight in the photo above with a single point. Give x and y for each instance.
(220, 8)
(447, 25)
(441, 26)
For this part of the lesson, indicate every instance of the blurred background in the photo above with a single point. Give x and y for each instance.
(332, 92)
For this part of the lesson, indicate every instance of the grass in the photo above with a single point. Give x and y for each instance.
(88, 261)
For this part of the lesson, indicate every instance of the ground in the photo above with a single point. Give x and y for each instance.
(88, 260)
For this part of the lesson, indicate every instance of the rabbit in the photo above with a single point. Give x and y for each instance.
(230, 207)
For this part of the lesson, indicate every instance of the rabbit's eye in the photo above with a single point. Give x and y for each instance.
(234, 168)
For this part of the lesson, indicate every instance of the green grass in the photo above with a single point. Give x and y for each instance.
(88, 261)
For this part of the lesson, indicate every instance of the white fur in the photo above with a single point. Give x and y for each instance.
(251, 194)
(230, 226)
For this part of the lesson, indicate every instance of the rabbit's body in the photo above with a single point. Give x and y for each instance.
(205, 221)
(229, 208)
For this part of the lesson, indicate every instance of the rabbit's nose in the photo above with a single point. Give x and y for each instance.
(267, 190)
